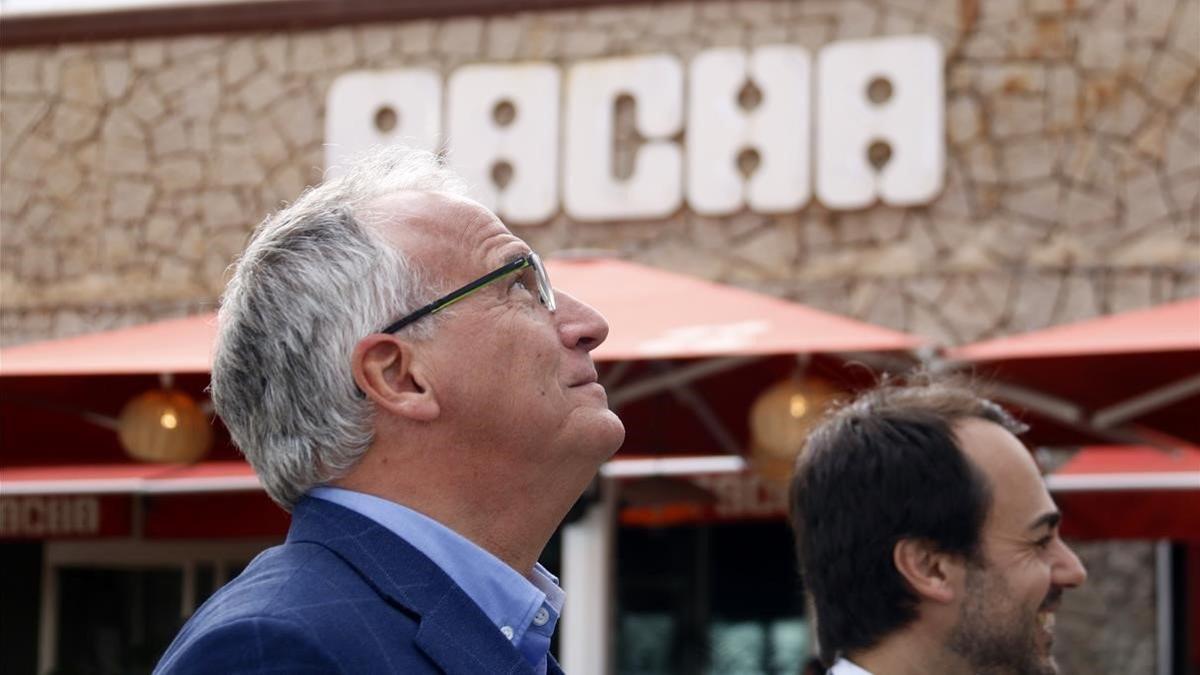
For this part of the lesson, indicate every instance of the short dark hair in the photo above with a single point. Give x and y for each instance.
(885, 467)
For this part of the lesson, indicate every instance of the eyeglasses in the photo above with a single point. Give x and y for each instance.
(544, 289)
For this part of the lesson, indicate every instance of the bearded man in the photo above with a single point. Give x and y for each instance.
(927, 539)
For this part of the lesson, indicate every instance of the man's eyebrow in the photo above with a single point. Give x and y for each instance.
(1049, 519)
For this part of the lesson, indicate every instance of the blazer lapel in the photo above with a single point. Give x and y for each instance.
(453, 631)
(445, 635)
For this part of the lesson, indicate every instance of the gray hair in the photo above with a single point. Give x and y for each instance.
(316, 278)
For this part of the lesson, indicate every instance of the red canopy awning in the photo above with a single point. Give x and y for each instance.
(1173, 327)
(653, 314)
(1128, 468)
(1108, 376)
(169, 346)
(658, 314)
(153, 501)
(1130, 492)
(213, 476)
(684, 360)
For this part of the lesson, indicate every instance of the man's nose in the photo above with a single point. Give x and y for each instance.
(1068, 571)
(580, 326)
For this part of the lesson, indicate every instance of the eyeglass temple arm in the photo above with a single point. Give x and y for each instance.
(454, 296)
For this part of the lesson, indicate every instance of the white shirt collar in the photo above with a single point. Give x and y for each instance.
(846, 667)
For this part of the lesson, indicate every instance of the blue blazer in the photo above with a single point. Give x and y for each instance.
(343, 594)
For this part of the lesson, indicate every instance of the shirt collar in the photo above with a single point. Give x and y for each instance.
(845, 666)
(510, 600)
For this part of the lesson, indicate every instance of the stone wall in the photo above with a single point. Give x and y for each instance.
(134, 170)
(1109, 625)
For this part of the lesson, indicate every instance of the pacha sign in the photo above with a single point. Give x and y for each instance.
(737, 497)
(64, 516)
(877, 127)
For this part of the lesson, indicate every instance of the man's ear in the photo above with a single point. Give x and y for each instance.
(386, 372)
(931, 574)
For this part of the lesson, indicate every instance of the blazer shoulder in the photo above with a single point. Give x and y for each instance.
(367, 598)
(298, 599)
(250, 644)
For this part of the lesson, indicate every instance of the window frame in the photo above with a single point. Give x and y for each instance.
(134, 554)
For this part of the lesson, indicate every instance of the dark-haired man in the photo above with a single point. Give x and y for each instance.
(927, 538)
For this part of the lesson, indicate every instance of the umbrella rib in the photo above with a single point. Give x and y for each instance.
(704, 412)
(1067, 413)
(615, 374)
(652, 385)
(96, 418)
(1053, 407)
(1141, 404)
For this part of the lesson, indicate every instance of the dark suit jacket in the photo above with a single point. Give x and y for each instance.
(343, 594)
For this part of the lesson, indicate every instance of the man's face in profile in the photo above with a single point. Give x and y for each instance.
(510, 373)
(998, 633)
(1006, 619)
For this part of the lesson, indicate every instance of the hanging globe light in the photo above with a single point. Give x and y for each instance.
(780, 420)
(164, 425)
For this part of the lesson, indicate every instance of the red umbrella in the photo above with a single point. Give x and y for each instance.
(1112, 377)
(1129, 492)
(654, 314)
(684, 361)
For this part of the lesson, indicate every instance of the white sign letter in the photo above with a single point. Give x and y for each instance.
(880, 105)
(655, 188)
(775, 129)
(365, 109)
(503, 133)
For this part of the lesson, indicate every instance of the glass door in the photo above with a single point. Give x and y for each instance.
(709, 600)
(113, 607)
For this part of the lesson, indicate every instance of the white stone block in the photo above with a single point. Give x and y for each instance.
(357, 100)
(260, 91)
(71, 123)
(527, 143)
(238, 62)
(19, 73)
(169, 137)
(19, 116)
(415, 37)
(129, 200)
(181, 173)
(911, 122)
(461, 37)
(297, 124)
(80, 83)
(144, 103)
(147, 54)
(375, 41)
(503, 36)
(655, 187)
(778, 129)
(61, 179)
(116, 76)
(273, 51)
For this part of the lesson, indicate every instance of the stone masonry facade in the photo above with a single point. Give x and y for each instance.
(134, 170)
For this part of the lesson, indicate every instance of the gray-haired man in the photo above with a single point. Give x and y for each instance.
(397, 368)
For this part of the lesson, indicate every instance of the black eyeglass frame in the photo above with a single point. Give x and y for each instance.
(544, 290)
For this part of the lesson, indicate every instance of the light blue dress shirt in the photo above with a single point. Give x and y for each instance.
(525, 610)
